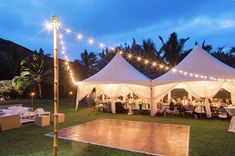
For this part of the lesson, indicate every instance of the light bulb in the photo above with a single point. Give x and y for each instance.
(79, 36)
(48, 25)
(101, 45)
(90, 40)
(68, 30)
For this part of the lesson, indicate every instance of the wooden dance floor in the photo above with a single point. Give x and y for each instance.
(144, 137)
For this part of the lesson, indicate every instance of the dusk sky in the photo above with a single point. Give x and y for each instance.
(116, 22)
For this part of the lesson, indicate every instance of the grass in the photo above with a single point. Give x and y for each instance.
(207, 137)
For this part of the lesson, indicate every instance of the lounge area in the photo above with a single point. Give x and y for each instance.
(13, 116)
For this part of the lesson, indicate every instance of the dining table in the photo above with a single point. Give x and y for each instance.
(231, 112)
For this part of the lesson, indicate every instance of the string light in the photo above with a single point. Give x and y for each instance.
(101, 45)
(90, 40)
(146, 61)
(79, 36)
(49, 26)
(62, 45)
(68, 30)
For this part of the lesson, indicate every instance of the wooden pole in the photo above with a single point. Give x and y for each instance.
(152, 109)
(32, 102)
(56, 85)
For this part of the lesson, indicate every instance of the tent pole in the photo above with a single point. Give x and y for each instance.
(56, 85)
(169, 96)
(77, 102)
(151, 99)
(113, 106)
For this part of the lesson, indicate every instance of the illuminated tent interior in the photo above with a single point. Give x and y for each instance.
(117, 78)
(187, 75)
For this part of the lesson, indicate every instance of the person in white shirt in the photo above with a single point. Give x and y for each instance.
(184, 101)
(198, 109)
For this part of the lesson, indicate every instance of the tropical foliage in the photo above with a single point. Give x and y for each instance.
(34, 70)
(7, 91)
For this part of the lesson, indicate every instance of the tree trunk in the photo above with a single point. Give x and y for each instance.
(40, 90)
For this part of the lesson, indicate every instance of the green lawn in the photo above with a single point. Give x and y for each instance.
(207, 137)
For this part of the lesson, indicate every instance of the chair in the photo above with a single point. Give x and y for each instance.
(61, 118)
(9, 122)
(42, 121)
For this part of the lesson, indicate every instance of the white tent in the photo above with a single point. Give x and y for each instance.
(118, 77)
(197, 62)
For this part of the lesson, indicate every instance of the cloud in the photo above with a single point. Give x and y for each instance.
(206, 24)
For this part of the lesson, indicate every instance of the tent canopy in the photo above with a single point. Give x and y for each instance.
(199, 62)
(118, 71)
(118, 77)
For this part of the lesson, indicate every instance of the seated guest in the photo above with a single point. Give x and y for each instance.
(216, 103)
(189, 106)
(221, 106)
(171, 105)
(184, 101)
(140, 103)
(160, 107)
(179, 106)
(222, 113)
(199, 108)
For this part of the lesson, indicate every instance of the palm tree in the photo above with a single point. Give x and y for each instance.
(34, 70)
(232, 51)
(206, 47)
(105, 56)
(150, 50)
(89, 61)
(173, 48)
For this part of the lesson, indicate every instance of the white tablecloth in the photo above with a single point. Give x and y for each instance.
(231, 111)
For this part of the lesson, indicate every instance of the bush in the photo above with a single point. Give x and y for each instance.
(7, 91)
